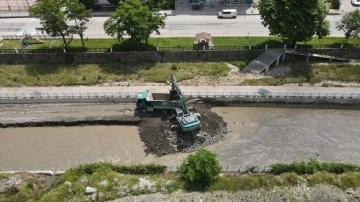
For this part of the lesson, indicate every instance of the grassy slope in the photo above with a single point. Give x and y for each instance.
(113, 185)
(44, 75)
(67, 75)
(303, 73)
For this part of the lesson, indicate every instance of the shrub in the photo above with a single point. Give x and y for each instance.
(88, 169)
(200, 170)
(91, 168)
(4, 176)
(174, 67)
(141, 169)
(311, 167)
(335, 4)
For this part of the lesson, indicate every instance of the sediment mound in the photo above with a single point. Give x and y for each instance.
(162, 136)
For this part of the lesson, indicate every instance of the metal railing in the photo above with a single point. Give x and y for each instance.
(274, 94)
(67, 95)
(197, 94)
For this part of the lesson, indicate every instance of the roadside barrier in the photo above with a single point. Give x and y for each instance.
(96, 97)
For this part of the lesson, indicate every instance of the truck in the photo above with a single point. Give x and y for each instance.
(150, 102)
(174, 101)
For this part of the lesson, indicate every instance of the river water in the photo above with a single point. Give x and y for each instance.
(259, 136)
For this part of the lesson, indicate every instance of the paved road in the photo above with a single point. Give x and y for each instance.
(180, 25)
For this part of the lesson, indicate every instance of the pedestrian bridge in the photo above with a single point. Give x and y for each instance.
(267, 58)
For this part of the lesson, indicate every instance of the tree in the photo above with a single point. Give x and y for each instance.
(133, 19)
(200, 169)
(80, 15)
(56, 16)
(52, 18)
(350, 24)
(294, 19)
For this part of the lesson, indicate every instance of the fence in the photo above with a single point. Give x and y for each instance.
(67, 95)
(178, 48)
(227, 96)
(287, 94)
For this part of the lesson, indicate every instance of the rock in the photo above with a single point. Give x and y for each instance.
(90, 190)
(350, 191)
(68, 183)
(104, 183)
(84, 180)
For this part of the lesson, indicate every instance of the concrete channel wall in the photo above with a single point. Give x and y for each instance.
(161, 56)
(127, 57)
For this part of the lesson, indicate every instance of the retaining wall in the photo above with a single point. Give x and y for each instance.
(127, 57)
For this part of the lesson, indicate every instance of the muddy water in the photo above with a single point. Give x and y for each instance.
(259, 136)
(58, 148)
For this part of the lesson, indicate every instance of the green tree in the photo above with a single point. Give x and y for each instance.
(56, 18)
(294, 19)
(350, 24)
(78, 13)
(52, 18)
(133, 19)
(200, 169)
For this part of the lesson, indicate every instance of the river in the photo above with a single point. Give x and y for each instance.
(259, 136)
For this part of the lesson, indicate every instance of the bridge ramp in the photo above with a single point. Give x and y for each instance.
(264, 61)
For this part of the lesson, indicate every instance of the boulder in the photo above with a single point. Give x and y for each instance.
(90, 190)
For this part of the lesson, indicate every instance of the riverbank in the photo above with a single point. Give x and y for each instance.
(101, 183)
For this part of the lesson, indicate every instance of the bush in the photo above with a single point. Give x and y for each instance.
(311, 167)
(88, 169)
(91, 168)
(335, 4)
(200, 170)
(141, 169)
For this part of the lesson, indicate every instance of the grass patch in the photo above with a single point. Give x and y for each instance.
(235, 183)
(334, 72)
(68, 75)
(93, 74)
(306, 73)
(343, 181)
(255, 42)
(239, 63)
(112, 184)
(277, 81)
(4, 176)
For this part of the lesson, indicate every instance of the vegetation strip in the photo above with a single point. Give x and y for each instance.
(113, 181)
(68, 75)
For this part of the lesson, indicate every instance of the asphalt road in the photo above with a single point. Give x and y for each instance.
(180, 26)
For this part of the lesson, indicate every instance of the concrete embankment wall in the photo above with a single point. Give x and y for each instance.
(294, 101)
(127, 57)
(66, 100)
(155, 56)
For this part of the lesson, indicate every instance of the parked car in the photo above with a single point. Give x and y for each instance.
(228, 13)
(355, 3)
(160, 13)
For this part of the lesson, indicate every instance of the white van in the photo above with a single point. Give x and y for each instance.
(228, 13)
